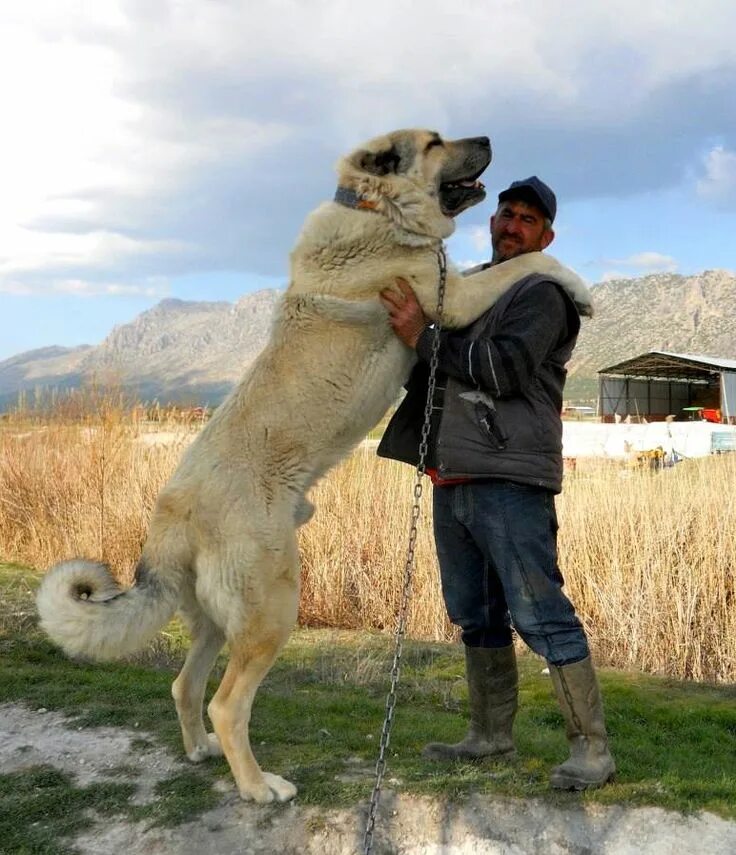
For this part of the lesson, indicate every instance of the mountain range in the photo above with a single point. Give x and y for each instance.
(662, 311)
(180, 351)
(193, 352)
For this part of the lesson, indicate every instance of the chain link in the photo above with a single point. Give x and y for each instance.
(409, 567)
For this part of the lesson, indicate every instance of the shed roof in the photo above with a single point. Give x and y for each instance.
(671, 366)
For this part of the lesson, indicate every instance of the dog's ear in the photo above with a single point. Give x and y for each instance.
(381, 162)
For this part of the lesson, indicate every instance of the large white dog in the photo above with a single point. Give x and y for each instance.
(222, 543)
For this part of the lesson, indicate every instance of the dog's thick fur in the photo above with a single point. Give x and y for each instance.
(222, 544)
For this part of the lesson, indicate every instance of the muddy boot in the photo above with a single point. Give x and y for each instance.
(590, 763)
(493, 698)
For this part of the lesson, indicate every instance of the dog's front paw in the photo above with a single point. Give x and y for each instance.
(282, 789)
(270, 788)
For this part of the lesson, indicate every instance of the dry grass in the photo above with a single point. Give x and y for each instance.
(649, 558)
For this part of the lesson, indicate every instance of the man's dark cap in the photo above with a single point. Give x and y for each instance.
(535, 192)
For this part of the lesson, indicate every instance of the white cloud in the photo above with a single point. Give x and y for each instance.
(25, 251)
(480, 238)
(646, 262)
(719, 182)
(154, 288)
(638, 264)
(143, 136)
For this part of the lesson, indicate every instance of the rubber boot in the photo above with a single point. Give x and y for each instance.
(493, 682)
(590, 763)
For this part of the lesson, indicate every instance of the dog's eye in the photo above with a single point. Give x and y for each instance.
(433, 143)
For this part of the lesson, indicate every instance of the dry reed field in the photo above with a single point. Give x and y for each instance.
(649, 557)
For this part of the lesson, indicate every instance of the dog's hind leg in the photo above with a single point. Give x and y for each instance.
(189, 687)
(252, 654)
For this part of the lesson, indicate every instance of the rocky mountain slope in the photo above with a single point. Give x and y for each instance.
(196, 351)
(663, 311)
(177, 351)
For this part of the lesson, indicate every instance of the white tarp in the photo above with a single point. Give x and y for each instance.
(686, 439)
(728, 394)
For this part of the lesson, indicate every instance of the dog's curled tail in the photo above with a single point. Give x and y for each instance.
(84, 610)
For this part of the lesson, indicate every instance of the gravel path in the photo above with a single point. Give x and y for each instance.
(407, 825)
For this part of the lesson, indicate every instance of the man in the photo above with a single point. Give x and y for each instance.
(495, 458)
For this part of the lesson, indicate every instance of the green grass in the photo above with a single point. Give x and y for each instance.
(317, 721)
(41, 807)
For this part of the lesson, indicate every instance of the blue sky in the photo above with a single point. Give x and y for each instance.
(159, 149)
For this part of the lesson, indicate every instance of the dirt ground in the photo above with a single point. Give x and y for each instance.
(406, 825)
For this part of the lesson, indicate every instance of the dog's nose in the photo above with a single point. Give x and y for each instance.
(484, 145)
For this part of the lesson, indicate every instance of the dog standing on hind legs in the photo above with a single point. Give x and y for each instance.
(222, 545)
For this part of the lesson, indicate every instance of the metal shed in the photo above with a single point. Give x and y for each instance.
(660, 384)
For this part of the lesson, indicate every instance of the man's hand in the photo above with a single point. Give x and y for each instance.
(405, 314)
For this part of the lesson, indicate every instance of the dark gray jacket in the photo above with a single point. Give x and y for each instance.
(497, 406)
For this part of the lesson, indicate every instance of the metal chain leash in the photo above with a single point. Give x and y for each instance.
(409, 567)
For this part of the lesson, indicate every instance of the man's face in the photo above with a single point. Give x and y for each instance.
(518, 227)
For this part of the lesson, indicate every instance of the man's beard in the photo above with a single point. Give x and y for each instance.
(511, 249)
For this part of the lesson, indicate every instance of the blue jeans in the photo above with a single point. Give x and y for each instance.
(497, 548)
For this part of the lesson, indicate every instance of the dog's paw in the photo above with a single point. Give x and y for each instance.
(198, 753)
(270, 788)
(211, 748)
(282, 789)
(259, 793)
(214, 747)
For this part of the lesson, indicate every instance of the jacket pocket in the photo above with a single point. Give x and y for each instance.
(487, 417)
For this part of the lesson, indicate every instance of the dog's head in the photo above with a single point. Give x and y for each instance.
(418, 178)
